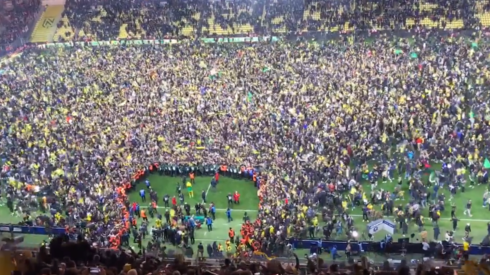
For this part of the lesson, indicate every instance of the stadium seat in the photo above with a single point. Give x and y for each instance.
(65, 31)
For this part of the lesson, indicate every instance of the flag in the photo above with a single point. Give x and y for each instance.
(213, 74)
(432, 176)
(486, 163)
(398, 51)
(5, 168)
(265, 69)
(413, 55)
(249, 96)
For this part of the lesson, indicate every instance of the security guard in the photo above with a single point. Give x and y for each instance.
(231, 234)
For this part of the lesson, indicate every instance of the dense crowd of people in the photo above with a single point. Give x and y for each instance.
(311, 120)
(70, 258)
(153, 19)
(309, 116)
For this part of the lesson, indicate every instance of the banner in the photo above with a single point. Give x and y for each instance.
(381, 225)
(164, 41)
(32, 230)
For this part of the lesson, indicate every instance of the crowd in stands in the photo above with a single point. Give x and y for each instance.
(17, 18)
(153, 19)
(70, 258)
(106, 20)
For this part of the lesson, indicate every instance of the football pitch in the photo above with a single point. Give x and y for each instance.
(249, 203)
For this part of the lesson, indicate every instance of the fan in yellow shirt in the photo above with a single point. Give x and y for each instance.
(189, 189)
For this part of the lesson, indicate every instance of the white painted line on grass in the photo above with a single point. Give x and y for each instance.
(217, 209)
(207, 191)
(468, 220)
(210, 239)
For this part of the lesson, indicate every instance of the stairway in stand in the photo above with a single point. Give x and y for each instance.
(47, 24)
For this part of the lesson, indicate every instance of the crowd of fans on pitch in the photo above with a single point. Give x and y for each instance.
(74, 116)
(83, 121)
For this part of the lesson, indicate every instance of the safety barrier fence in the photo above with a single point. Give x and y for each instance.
(298, 244)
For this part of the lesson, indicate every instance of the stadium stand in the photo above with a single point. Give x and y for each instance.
(81, 20)
(103, 21)
(16, 21)
(47, 25)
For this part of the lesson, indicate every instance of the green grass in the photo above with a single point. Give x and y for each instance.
(478, 221)
(248, 202)
(168, 185)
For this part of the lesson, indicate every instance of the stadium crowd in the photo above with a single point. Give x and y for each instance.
(70, 258)
(311, 115)
(103, 20)
(16, 20)
(314, 119)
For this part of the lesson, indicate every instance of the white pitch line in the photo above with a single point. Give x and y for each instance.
(468, 220)
(217, 209)
(210, 239)
(209, 187)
